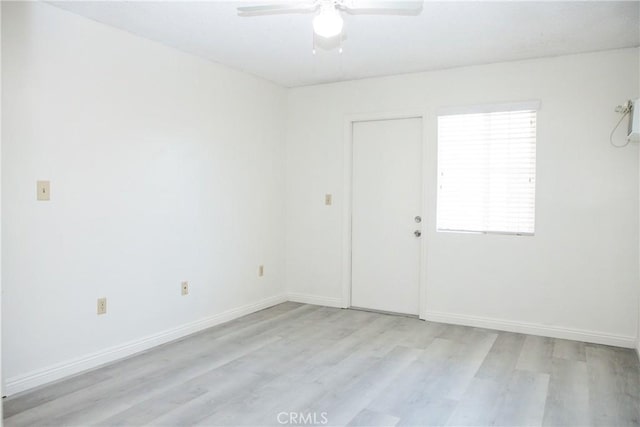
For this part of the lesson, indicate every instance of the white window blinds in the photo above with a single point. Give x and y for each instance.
(486, 171)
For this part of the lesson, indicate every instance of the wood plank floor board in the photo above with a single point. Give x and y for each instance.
(503, 357)
(274, 359)
(523, 400)
(452, 372)
(426, 391)
(568, 396)
(536, 354)
(407, 390)
(309, 363)
(133, 391)
(344, 403)
(465, 363)
(150, 409)
(265, 370)
(613, 387)
(368, 418)
(479, 405)
(312, 383)
(218, 397)
(570, 350)
(421, 336)
(430, 412)
(305, 398)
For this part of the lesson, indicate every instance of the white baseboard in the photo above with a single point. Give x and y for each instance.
(71, 367)
(532, 329)
(315, 300)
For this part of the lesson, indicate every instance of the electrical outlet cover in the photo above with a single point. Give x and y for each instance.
(102, 306)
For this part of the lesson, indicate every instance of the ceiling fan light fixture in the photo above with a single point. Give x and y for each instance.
(328, 23)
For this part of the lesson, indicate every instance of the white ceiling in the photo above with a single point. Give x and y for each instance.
(445, 34)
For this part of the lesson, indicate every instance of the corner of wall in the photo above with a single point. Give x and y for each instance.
(314, 299)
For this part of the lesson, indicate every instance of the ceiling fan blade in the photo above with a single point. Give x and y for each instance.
(267, 9)
(404, 6)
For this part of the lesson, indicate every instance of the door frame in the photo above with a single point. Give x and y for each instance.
(347, 214)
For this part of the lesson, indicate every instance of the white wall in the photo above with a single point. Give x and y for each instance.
(163, 167)
(576, 278)
(1, 376)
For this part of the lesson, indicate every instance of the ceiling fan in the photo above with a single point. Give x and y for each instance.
(328, 23)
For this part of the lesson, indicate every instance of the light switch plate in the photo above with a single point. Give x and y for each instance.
(260, 270)
(43, 190)
(184, 288)
(328, 199)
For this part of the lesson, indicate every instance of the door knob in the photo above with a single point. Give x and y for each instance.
(418, 219)
(418, 233)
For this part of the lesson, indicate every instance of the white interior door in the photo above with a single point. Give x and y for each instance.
(387, 198)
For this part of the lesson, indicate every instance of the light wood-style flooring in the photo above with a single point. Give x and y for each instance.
(310, 365)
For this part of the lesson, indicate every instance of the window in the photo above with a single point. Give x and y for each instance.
(487, 169)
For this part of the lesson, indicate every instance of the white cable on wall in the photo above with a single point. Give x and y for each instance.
(625, 110)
